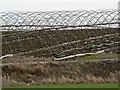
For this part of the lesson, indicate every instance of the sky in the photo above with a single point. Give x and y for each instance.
(56, 5)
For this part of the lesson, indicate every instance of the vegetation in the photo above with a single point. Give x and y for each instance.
(83, 85)
(101, 56)
(61, 72)
(41, 45)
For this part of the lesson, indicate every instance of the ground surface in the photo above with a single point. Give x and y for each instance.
(62, 42)
(33, 60)
(62, 72)
(33, 65)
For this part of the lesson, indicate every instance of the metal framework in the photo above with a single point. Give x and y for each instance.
(58, 19)
(61, 33)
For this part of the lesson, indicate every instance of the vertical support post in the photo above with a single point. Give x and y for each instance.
(0, 51)
(0, 59)
(119, 14)
(119, 36)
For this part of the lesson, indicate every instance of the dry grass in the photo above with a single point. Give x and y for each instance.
(87, 72)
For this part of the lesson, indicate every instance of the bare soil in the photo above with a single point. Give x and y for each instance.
(46, 43)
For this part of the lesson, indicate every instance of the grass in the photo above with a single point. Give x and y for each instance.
(83, 85)
(100, 56)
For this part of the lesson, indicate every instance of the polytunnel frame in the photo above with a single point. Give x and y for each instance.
(60, 20)
(61, 23)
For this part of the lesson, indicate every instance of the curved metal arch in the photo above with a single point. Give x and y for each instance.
(64, 20)
(92, 21)
(10, 32)
(115, 15)
(6, 21)
(16, 32)
(34, 16)
(58, 17)
(93, 18)
(76, 16)
(46, 33)
(111, 12)
(85, 12)
(47, 20)
(40, 20)
(9, 16)
(81, 18)
(117, 18)
(87, 16)
(51, 16)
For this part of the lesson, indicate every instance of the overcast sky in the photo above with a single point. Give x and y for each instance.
(50, 5)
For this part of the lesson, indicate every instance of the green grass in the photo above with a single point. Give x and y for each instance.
(99, 56)
(103, 85)
(91, 57)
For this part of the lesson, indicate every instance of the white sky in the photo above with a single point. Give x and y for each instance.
(50, 5)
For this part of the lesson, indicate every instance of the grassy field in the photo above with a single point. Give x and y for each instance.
(103, 85)
(99, 56)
